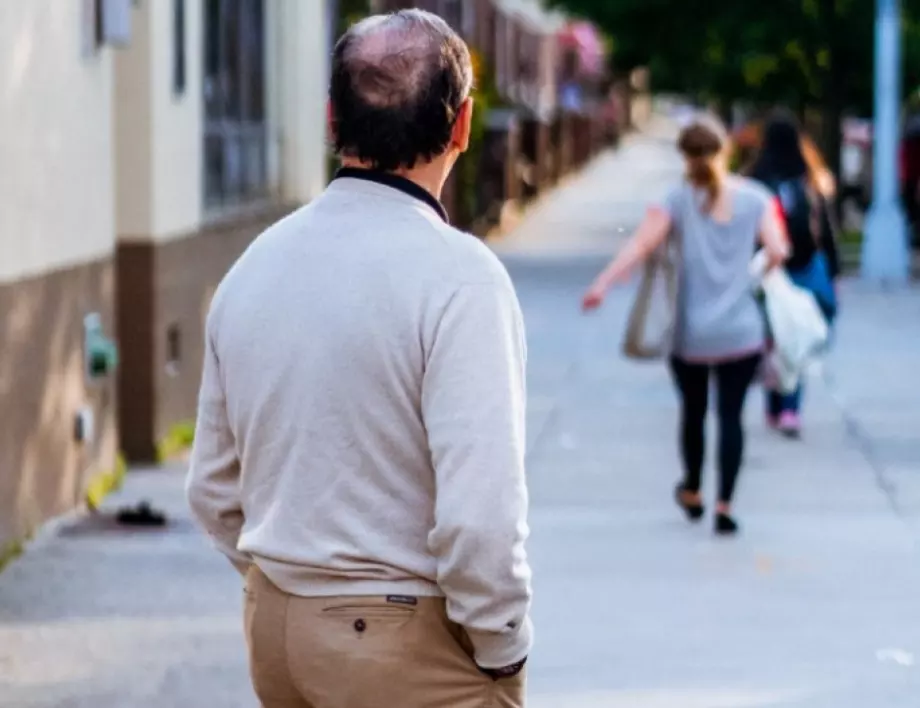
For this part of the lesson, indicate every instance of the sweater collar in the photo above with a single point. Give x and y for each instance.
(388, 179)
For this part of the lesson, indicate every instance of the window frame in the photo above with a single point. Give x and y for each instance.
(235, 82)
(180, 48)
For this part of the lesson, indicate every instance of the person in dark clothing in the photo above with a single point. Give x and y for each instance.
(910, 175)
(790, 166)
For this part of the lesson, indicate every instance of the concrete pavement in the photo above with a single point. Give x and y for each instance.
(602, 203)
(637, 609)
(814, 606)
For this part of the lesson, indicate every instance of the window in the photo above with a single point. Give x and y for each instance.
(332, 25)
(105, 22)
(178, 47)
(173, 349)
(234, 100)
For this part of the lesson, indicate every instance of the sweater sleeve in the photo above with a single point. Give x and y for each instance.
(213, 485)
(473, 403)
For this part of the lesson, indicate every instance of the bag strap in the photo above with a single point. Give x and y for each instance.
(816, 207)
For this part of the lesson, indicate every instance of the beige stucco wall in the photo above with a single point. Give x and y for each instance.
(56, 181)
(133, 131)
(158, 133)
(177, 120)
(301, 67)
(159, 136)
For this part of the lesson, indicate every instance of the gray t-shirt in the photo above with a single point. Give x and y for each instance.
(718, 316)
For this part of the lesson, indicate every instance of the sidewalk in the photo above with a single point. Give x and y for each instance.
(814, 606)
(608, 198)
(803, 610)
(93, 616)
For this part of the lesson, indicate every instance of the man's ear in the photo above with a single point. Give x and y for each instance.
(463, 126)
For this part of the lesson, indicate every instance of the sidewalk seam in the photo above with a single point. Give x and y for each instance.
(554, 412)
(863, 443)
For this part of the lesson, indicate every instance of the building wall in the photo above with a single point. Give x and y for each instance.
(172, 251)
(178, 154)
(300, 70)
(159, 131)
(133, 120)
(56, 245)
(55, 128)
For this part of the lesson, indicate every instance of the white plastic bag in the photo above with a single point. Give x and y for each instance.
(797, 325)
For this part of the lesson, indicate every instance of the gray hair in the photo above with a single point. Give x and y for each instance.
(393, 55)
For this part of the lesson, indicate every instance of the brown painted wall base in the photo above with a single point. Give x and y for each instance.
(43, 468)
(164, 290)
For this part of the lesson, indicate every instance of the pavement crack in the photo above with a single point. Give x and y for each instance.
(862, 441)
(555, 411)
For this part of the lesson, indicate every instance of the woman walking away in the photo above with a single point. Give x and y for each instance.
(717, 220)
(791, 167)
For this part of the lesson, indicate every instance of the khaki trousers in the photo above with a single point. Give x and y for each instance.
(363, 652)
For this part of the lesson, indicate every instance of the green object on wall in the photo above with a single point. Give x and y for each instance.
(100, 352)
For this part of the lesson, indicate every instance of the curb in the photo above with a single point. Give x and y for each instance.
(98, 487)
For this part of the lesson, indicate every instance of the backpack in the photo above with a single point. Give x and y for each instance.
(801, 210)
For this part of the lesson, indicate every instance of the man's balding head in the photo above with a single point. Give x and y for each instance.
(398, 85)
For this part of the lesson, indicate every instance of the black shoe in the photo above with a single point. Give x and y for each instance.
(694, 512)
(141, 515)
(726, 525)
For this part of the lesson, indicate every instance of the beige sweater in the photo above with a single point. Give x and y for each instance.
(361, 417)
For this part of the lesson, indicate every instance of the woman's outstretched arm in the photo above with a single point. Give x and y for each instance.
(651, 234)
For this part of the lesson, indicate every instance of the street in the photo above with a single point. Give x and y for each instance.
(815, 605)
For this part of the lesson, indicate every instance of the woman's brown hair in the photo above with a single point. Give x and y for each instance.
(701, 143)
(819, 175)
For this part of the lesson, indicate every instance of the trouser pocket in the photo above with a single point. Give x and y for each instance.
(510, 692)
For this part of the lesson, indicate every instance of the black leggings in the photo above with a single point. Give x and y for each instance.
(734, 379)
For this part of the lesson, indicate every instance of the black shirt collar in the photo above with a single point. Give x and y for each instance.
(388, 179)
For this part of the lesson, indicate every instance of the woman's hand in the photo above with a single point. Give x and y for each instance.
(594, 298)
(652, 233)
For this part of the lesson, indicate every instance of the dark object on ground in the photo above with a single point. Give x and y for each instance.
(141, 515)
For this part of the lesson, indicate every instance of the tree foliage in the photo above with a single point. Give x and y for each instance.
(798, 52)
(348, 12)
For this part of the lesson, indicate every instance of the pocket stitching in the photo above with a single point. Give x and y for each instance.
(370, 610)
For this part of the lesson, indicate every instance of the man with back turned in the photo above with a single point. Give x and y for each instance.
(359, 453)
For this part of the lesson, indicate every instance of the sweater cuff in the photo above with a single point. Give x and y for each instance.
(240, 560)
(498, 650)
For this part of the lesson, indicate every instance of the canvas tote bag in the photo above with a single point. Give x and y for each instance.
(651, 324)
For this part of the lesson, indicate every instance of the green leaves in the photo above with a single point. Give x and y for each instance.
(804, 52)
